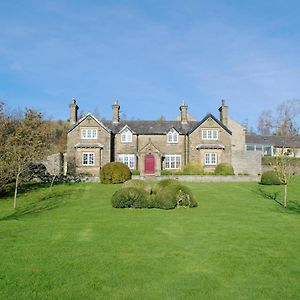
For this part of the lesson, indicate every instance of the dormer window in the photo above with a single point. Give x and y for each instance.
(126, 136)
(172, 136)
(210, 134)
(89, 134)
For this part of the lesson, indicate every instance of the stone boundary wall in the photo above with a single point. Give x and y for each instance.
(54, 164)
(246, 162)
(202, 178)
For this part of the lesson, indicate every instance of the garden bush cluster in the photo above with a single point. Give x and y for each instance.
(165, 194)
(270, 178)
(195, 168)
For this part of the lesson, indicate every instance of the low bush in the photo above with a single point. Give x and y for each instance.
(115, 172)
(163, 183)
(130, 197)
(224, 169)
(193, 168)
(137, 183)
(175, 195)
(167, 172)
(270, 178)
(135, 172)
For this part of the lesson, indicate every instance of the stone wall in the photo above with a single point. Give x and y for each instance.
(203, 178)
(54, 164)
(246, 162)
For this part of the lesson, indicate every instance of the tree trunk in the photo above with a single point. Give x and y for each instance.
(285, 195)
(16, 190)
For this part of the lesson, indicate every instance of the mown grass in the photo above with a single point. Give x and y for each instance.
(71, 244)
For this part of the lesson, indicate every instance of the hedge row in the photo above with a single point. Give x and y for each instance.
(166, 194)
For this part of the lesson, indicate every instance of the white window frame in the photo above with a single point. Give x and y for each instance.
(90, 159)
(172, 136)
(172, 161)
(210, 134)
(128, 160)
(126, 136)
(210, 159)
(89, 133)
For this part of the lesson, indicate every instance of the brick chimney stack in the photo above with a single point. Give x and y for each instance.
(183, 109)
(224, 113)
(73, 112)
(116, 112)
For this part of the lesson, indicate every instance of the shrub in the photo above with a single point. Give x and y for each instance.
(163, 183)
(193, 168)
(167, 172)
(130, 197)
(137, 183)
(224, 169)
(175, 195)
(135, 172)
(270, 178)
(115, 172)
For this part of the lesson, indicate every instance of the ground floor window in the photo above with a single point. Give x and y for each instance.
(210, 159)
(88, 159)
(127, 159)
(172, 161)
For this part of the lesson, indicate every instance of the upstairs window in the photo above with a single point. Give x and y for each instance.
(210, 159)
(172, 136)
(126, 136)
(89, 134)
(210, 134)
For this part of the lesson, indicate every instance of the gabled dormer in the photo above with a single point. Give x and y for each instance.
(172, 136)
(126, 134)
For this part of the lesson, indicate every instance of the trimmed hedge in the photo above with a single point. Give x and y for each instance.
(224, 169)
(164, 183)
(137, 183)
(270, 178)
(175, 195)
(130, 197)
(193, 168)
(115, 172)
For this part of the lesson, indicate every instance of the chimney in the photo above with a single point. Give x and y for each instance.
(73, 112)
(116, 112)
(224, 113)
(183, 109)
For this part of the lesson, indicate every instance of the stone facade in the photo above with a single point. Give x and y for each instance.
(152, 146)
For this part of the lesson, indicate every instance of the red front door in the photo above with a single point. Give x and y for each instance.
(149, 164)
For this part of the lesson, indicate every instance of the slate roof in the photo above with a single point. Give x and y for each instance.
(160, 127)
(152, 127)
(277, 141)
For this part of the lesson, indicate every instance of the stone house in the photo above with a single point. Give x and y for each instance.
(153, 146)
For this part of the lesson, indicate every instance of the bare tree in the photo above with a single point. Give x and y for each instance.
(284, 122)
(284, 170)
(265, 122)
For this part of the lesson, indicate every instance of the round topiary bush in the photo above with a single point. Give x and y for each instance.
(193, 168)
(224, 169)
(164, 183)
(130, 197)
(270, 178)
(115, 172)
(175, 195)
(137, 183)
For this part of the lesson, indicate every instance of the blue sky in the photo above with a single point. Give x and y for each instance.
(150, 55)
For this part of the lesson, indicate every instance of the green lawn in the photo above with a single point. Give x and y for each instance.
(71, 244)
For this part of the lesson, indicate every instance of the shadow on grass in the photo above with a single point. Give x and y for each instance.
(292, 206)
(48, 202)
(269, 195)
